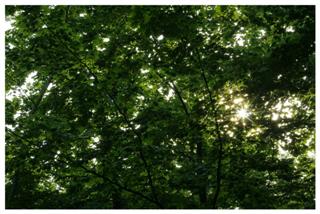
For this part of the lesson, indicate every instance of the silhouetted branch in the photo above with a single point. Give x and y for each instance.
(93, 172)
(177, 91)
(147, 168)
(217, 128)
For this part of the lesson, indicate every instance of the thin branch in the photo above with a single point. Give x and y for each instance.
(19, 136)
(150, 180)
(145, 163)
(93, 172)
(42, 92)
(217, 128)
(177, 91)
(197, 141)
(99, 175)
(79, 59)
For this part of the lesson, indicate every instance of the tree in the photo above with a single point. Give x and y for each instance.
(160, 107)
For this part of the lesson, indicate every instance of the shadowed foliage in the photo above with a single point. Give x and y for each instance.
(111, 107)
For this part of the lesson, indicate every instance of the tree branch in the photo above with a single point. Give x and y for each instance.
(42, 92)
(93, 172)
(177, 91)
(217, 128)
(145, 163)
(147, 168)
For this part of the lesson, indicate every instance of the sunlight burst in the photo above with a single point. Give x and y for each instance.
(243, 113)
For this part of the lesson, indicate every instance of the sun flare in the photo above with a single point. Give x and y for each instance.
(243, 113)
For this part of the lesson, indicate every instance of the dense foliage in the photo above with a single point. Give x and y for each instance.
(160, 107)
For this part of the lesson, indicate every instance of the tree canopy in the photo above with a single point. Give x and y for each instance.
(113, 107)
